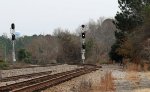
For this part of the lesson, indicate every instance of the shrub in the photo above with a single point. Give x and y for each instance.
(24, 55)
(3, 65)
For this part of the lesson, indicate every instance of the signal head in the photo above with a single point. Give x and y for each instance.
(83, 26)
(13, 37)
(83, 46)
(83, 35)
(13, 26)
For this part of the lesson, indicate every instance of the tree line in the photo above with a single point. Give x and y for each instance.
(63, 46)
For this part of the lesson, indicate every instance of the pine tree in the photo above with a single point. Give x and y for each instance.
(129, 17)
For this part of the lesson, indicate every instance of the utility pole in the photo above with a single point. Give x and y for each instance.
(83, 43)
(12, 30)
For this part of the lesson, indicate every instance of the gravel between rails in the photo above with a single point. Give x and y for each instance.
(54, 69)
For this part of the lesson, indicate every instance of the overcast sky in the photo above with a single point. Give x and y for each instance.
(43, 16)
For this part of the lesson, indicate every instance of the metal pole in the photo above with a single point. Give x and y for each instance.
(13, 51)
(83, 51)
(83, 44)
(12, 30)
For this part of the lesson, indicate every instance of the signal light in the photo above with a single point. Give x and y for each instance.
(13, 26)
(83, 46)
(82, 26)
(83, 35)
(13, 37)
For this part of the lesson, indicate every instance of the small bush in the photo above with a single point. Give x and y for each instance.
(3, 65)
(149, 68)
(24, 55)
(104, 62)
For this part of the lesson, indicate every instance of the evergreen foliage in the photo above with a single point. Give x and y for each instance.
(129, 22)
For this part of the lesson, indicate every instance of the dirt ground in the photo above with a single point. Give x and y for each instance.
(124, 81)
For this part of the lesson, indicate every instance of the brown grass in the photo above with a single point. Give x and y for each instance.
(106, 83)
(137, 67)
(133, 77)
(147, 74)
(145, 67)
(132, 73)
(142, 90)
(133, 67)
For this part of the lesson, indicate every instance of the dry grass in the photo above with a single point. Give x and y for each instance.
(137, 67)
(142, 90)
(133, 67)
(133, 78)
(145, 67)
(132, 72)
(147, 74)
(133, 75)
(106, 83)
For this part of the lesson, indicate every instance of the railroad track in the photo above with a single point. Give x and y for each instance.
(44, 82)
(13, 78)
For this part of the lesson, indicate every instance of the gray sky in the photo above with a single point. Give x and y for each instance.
(43, 16)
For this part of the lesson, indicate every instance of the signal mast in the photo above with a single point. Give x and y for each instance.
(12, 31)
(83, 43)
